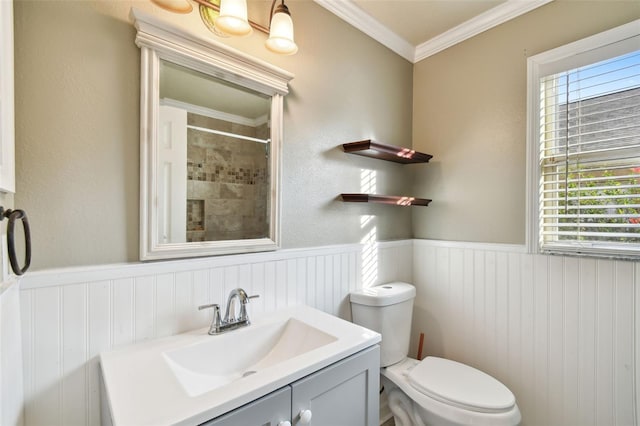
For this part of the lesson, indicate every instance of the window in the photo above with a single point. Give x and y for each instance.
(584, 146)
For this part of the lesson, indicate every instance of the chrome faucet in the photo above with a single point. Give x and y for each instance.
(230, 321)
(242, 297)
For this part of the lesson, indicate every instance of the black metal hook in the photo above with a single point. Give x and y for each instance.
(14, 215)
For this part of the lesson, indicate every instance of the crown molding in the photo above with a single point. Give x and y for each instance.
(474, 26)
(356, 17)
(353, 15)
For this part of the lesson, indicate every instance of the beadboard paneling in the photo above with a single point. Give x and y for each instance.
(70, 316)
(561, 332)
(11, 380)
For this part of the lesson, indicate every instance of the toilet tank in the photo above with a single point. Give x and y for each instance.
(387, 309)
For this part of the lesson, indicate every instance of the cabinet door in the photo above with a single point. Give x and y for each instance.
(343, 394)
(269, 410)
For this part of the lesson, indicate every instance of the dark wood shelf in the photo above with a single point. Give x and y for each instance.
(385, 199)
(397, 154)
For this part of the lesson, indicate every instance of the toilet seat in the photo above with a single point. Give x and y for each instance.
(460, 385)
(438, 410)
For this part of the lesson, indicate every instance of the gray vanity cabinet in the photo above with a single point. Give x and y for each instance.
(269, 410)
(342, 394)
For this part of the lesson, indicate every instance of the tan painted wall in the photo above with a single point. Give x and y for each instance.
(77, 113)
(470, 113)
(77, 128)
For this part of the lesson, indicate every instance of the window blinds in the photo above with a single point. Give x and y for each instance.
(590, 158)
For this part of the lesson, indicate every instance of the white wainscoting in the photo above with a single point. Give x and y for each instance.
(70, 316)
(11, 389)
(563, 333)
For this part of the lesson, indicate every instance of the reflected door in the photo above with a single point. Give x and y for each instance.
(172, 182)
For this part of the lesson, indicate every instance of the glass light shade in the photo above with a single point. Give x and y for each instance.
(176, 6)
(233, 18)
(281, 35)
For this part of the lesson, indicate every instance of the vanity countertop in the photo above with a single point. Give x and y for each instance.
(142, 386)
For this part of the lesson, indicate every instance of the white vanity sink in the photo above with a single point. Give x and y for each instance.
(193, 377)
(232, 356)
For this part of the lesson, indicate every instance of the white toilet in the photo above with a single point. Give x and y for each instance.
(434, 391)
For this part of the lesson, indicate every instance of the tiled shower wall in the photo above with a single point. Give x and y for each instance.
(563, 333)
(227, 181)
(70, 316)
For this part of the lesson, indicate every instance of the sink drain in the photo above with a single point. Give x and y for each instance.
(248, 373)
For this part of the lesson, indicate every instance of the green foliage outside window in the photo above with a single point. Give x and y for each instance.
(616, 198)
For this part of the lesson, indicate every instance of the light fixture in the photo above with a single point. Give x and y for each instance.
(281, 31)
(232, 21)
(175, 6)
(233, 18)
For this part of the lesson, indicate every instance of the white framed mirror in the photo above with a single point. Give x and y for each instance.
(210, 145)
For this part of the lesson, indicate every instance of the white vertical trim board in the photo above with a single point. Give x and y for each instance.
(11, 380)
(69, 316)
(563, 333)
(636, 312)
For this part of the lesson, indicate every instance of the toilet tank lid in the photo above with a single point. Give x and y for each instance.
(384, 294)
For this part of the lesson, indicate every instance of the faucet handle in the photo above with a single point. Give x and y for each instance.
(213, 305)
(244, 316)
(216, 322)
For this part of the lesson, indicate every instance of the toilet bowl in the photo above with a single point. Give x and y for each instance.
(434, 391)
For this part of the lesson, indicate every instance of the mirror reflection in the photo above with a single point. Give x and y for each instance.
(212, 159)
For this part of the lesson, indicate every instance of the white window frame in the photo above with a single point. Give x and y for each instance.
(605, 45)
